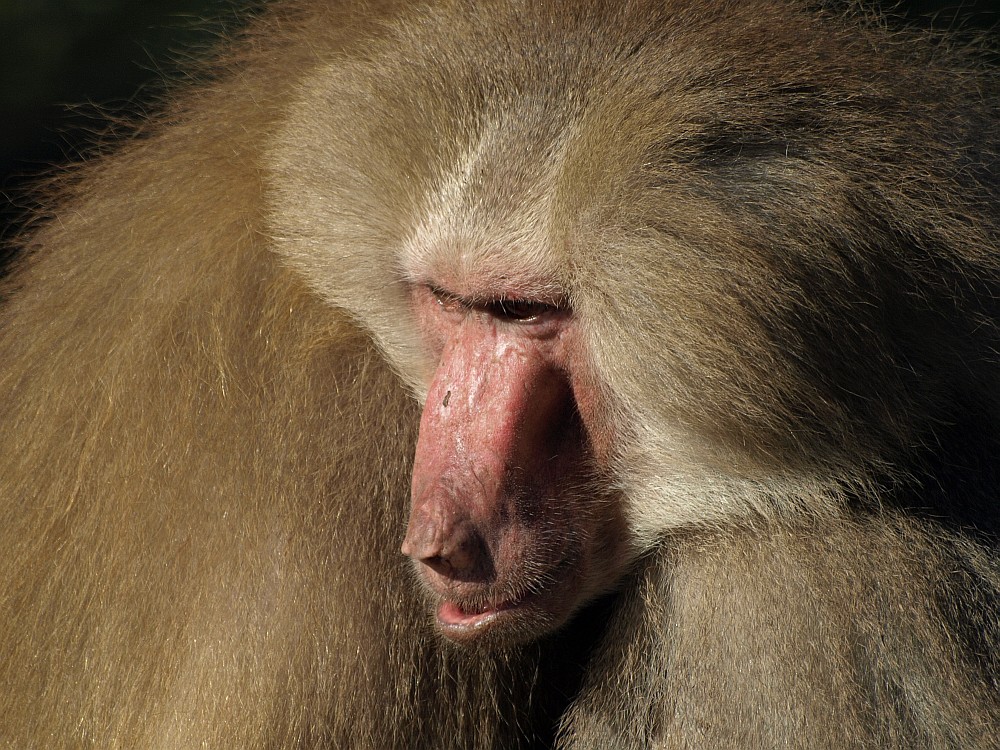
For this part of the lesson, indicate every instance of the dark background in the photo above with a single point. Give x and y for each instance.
(68, 68)
(65, 65)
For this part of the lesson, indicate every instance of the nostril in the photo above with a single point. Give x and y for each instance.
(439, 565)
(462, 554)
(463, 549)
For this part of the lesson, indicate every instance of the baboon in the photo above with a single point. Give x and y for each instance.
(670, 325)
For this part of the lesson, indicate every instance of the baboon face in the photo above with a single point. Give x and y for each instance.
(625, 261)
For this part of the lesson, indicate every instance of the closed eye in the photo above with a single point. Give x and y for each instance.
(504, 309)
(517, 310)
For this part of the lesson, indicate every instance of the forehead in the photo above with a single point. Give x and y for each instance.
(529, 146)
(490, 224)
(501, 116)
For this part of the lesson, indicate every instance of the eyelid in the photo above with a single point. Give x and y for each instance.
(446, 299)
(518, 310)
(507, 309)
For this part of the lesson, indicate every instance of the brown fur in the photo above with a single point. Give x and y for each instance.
(781, 228)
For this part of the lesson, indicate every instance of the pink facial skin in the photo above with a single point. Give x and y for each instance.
(508, 528)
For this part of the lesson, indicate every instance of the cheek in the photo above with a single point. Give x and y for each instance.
(593, 403)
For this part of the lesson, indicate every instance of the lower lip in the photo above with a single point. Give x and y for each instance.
(458, 623)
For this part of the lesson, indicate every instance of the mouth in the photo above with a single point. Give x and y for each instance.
(521, 616)
(462, 621)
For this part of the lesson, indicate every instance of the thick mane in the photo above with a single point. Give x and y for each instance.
(672, 326)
